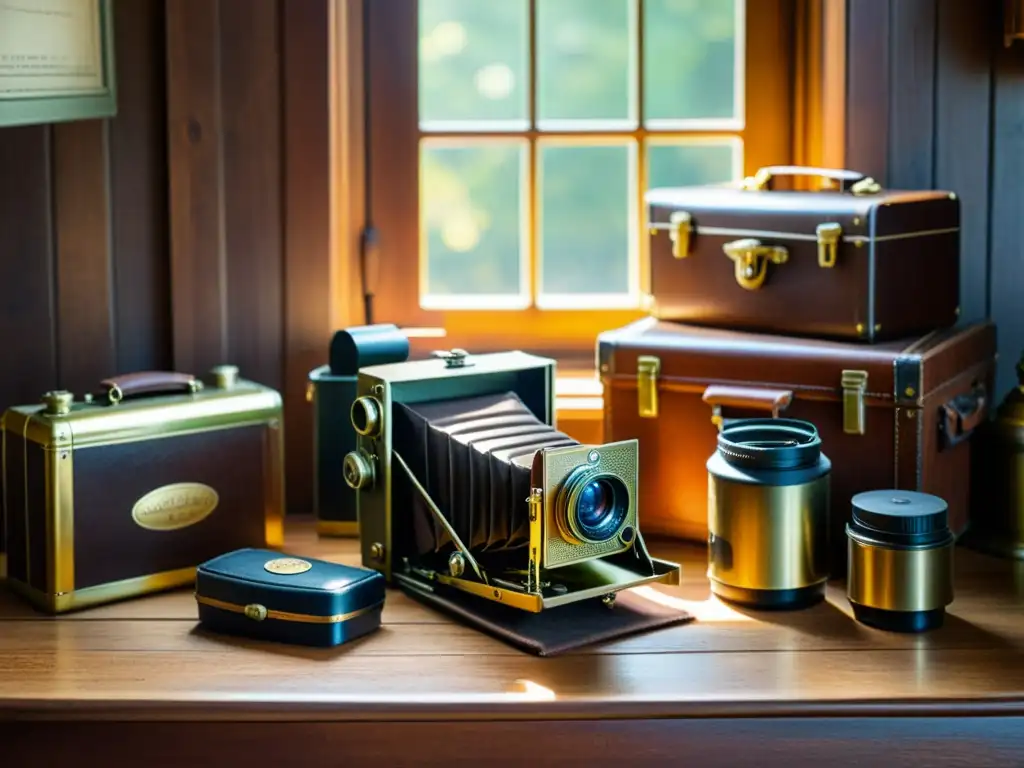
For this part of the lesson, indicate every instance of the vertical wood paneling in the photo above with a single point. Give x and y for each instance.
(962, 126)
(309, 283)
(250, 113)
(1007, 212)
(912, 94)
(27, 317)
(867, 95)
(138, 190)
(85, 339)
(196, 164)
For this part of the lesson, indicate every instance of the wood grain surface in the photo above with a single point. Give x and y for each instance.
(148, 662)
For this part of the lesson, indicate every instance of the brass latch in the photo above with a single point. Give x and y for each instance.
(866, 186)
(829, 235)
(854, 383)
(648, 368)
(751, 258)
(679, 231)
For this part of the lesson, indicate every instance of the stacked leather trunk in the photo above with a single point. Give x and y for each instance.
(837, 306)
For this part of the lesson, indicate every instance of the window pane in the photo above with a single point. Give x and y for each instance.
(472, 215)
(473, 63)
(690, 60)
(585, 61)
(682, 163)
(587, 214)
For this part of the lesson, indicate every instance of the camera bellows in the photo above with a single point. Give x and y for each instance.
(473, 456)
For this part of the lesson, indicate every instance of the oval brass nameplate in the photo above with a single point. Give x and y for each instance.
(287, 566)
(172, 507)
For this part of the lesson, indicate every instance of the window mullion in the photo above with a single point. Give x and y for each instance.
(533, 205)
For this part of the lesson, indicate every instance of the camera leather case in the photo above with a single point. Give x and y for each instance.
(266, 595)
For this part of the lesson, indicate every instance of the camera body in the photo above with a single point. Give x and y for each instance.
(332, 389)
(462, 479)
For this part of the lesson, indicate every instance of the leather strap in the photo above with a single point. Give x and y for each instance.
(750, 398)
(116, 388)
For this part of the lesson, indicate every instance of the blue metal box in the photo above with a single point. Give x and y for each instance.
(265, 595)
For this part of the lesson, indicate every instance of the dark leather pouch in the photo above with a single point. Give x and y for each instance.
(556, 630)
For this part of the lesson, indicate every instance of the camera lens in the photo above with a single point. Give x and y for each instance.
(592, 507)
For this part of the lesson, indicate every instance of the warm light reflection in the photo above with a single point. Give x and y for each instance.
(424, 333)
(530, 691)
(709, 610)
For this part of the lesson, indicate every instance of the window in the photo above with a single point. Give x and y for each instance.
(510, 145)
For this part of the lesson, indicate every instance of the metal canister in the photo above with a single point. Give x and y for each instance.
(768, 509)
(900, 563)
(998, 480)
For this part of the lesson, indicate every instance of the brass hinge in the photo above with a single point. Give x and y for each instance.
(829, 235)
(854, 384)
(647, 370)
(679, 231)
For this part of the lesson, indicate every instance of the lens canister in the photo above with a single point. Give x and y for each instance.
(900, 564)
(768, 503)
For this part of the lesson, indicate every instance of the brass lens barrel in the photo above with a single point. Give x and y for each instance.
(768, 501)
(900, 563)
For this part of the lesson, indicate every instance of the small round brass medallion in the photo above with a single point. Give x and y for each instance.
(287, 566)
(256, 612)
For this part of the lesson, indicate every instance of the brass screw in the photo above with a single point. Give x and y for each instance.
(856, 220)
(377, 551)
(608, 600)
(860, 328)
(909, 391)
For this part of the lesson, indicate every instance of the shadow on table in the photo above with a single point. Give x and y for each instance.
(285, 649)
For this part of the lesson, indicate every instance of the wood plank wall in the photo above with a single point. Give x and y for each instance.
(934, 100)
(159, 239)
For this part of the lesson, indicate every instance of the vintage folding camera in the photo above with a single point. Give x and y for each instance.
(464, 480)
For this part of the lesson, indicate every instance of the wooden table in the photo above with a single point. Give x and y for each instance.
(137, 684)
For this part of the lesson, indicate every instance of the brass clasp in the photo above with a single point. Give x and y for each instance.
(854, 383)
(648, 368)
(751, 258)
(829, 235)
(679, 232)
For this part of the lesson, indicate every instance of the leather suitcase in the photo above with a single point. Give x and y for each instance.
(891, 415)
(854, 262)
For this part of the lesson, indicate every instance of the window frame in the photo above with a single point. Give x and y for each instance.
(390, 252)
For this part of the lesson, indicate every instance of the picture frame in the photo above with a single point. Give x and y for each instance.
(56, 61)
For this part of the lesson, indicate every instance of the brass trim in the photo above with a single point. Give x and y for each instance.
(60, 506)
(829, 234)
(104, 593)
(906, 580)
(764, 234)
(299, 618)
(648, 368)
(751, 258)
(854, 384)
(339, 529)
(680, 230)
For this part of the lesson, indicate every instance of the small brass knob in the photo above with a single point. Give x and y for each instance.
(365, 414)
(357, 470)
(58, 402)
(377, 551)
(225, 376)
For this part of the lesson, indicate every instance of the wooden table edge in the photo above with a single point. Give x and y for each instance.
(481, 709)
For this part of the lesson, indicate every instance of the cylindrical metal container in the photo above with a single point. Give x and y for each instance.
(768, 503)
(900, 565)
(998, 480)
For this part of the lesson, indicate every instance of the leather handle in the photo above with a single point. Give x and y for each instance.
(847, 180)
(962, 415)
(747, 398)
(116, 388)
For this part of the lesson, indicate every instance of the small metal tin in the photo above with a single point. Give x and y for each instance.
(900, 560)
(265, 595)
(768, 503)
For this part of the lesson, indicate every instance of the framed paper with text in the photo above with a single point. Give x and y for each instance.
(56, 61)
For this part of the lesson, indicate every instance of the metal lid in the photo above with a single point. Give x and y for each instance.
(900, 517)
(769, 443)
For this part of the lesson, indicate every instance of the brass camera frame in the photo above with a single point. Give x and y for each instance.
(620, 564)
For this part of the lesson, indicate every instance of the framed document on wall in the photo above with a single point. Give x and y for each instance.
(56, 61)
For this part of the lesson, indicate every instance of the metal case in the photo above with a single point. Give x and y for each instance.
(126, 491)
(266, 595)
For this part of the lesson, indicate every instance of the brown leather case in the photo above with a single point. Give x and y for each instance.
(851, 262)
(127, 490)
(890, 415)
